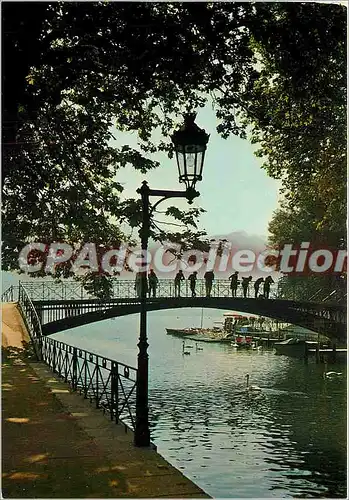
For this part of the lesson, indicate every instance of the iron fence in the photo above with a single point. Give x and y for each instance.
(125, 288)
(31, 320)
(56, 310)
(69, 290)
(55, 290)
(109, 384)
(10, 295)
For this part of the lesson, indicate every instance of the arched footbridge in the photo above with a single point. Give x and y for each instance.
(64, 305)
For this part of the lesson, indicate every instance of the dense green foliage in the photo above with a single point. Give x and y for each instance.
(310, 155)
(304, 143)
(84, 69)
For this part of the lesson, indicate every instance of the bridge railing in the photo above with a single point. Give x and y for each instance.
(55, 290)
(311, 293)
(10, 294)
(109, 384)
(57, 310)
(31, 320)
(125, 288)
(69, 290)
(336, 295)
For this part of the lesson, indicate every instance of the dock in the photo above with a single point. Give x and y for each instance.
(326, 354)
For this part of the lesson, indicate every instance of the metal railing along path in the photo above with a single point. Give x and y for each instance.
(10, 294)
(109, 384)
(29, 316)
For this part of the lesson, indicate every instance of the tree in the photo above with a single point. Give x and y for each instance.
(101, 65)
(298, 111)
(276, 69)
(298, 117)
(300, 224)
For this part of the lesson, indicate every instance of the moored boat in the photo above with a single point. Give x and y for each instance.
(294, 347)
(183, 331)
(242, 342)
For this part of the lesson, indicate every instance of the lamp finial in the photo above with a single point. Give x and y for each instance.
(189, 118)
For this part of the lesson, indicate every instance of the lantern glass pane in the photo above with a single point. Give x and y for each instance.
(194, 156)
(181, 163)
(200, 163)
(191, 163)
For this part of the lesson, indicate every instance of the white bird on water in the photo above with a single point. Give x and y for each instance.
(330, 375)
(251, 388)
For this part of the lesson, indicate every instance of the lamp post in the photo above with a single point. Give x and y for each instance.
(190, 143)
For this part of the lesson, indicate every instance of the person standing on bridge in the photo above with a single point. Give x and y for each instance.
(266, 289)
(245, 285)
(192, 279)
(177, 281)
(209, 277)
(234, 283)
(257, 284)
(153, 283)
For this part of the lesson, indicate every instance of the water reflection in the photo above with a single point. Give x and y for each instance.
(288, 440)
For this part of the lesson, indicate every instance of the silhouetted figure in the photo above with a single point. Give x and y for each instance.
(257, 284)
(153, 283)
(266, 288)
(234, 283)
(209, 277)
(177, 281)
(245, 285)
(192, 279)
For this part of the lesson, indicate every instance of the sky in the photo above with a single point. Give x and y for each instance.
(238, 196)
(236, 193)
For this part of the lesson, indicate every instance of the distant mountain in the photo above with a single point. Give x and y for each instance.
(233, 242)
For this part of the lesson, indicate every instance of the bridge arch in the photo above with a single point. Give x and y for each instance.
(329, 320)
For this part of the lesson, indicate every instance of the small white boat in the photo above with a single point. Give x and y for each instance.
(296, 348)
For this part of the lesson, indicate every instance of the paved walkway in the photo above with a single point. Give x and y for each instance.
(56, 445)
(13, 329)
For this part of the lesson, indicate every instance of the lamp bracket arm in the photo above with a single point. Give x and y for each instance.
(152, 210)
(190, 194)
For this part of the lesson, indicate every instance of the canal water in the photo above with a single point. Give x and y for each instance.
(289, 440)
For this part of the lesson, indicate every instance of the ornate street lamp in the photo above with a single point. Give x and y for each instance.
(190, 143)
